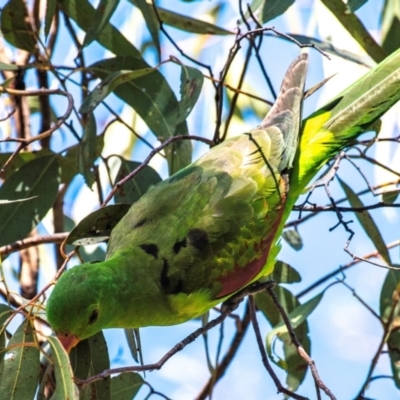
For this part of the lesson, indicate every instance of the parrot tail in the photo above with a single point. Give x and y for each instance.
(285, 114)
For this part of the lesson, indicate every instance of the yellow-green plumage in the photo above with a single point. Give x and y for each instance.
(194, 239)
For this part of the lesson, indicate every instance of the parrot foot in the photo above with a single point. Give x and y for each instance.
(233, 302)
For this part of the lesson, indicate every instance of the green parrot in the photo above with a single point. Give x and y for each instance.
(211, 229)
(192, 240)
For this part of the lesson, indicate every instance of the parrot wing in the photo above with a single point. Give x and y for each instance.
(209, 226)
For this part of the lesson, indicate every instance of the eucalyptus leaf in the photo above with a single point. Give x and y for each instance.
(151, 21)
(189, 24)
(367, 222)
(153, 99)
(65, 386)
(389, 305)
(191, 84)
(292, 363)
(51, 7)
(274, 8)
(136, 187)
(87, 153)
(21, 367)
(99, 361)
(14, 26)
(83, 13)
(293, 238)
(97, 226)
(37, 179)
(108, 85)
(354, 5)
(284, 273)
(104, 11)
(126, 386)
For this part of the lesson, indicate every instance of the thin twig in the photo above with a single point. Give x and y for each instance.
(320, 384)
(32, 241)
(24, 142)
(343, 268)
(220, 369)
(149, 157)
(280, 388)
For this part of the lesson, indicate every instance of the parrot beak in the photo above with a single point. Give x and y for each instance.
(68, 342)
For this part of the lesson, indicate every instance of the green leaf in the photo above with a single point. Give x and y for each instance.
(151, 21)
(274, 8)
(297, 316)
(5, 313)
(191, 84)
(87, 153)
(69, 162)
(393, 344)
(51, 7)
(293, 363)
(135, 188)
(101, 18)
(37, 178)
(354, 5)
(389, 292)
(80, 359)
(8, 67)
(89, 358)
(99, 361)
(82, 12)
(133, 346)
(390, 33)
(14, 27)
(65, 387)
(390, 295)
(330, 48)
(21, 159)
(189, 24)
(293, 238)
(366, 221)
(108, 85)
(284, 273)
(126, 386)
(21, 365)
(390, 197)
(155, 102)
(97, 226)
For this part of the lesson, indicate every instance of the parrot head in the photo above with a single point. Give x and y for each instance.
(75, 309)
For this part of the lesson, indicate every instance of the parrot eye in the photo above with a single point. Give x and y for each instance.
(93, 316)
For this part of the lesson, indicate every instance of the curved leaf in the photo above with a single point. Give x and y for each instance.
(367, 222)
(101, 18)
(39, 179)
(82, 12)
(21, 365)
(188, 24)
(284, 273)
(65, 387)
(153, 99)
(191, 84)
(126, 386)
(97, 226)
(136, 187)
(293, 238)
(14, 27)
(108, 85)
(293, 363)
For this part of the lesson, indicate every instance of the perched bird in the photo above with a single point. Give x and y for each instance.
(192, 240)
(213, 228)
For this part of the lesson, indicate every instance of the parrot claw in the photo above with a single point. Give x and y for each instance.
(233, 302)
